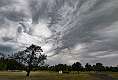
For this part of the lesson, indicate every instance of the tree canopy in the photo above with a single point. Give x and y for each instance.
(31, 57)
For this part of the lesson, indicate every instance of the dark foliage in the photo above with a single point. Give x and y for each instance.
(30, 57)
(10, 64)
(28, 60)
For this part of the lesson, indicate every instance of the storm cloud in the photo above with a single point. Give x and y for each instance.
(80, 30)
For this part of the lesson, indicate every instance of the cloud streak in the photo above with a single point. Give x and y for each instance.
(87, 29)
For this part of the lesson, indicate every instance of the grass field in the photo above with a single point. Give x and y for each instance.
(56, 76)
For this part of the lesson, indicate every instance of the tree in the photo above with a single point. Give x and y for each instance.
(31, 57)
(88, 67)
(77, 66)
(12, 64)
(99, 67)
(61, 67)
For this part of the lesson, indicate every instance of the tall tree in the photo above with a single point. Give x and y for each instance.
(31, 57)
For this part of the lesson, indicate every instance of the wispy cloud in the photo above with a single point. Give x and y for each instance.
(87, 30)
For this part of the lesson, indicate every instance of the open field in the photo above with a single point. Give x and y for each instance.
(56, 76)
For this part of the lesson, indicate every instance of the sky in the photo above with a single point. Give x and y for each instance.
(67, 30)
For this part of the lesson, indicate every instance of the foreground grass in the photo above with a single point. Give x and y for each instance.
(53, 76)
(113, 74)
(44, 76)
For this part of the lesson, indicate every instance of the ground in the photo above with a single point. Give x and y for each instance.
(55, 76)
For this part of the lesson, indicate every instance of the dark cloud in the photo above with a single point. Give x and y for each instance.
(6, 49)
(5, 2)
(89, 22)
(6, 39)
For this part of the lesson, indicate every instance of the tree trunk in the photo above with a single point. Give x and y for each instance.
(28, 73)
(28, 69)
(78, 72)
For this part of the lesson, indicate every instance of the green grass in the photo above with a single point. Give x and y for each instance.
(53, 76)
(44, 76)
(113, 74)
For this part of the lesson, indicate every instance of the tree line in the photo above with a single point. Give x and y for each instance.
(11, 64)
(77, 66)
